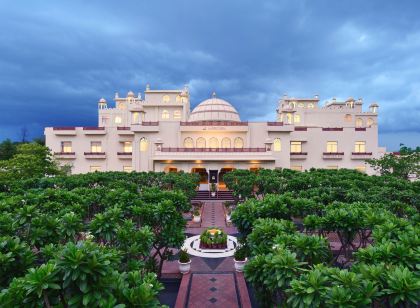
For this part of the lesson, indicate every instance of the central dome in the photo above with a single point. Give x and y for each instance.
(214, 109)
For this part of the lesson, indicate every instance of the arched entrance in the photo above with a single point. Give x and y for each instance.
(204, 176)
(223, 171)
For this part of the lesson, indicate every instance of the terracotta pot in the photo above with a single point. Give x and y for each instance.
(184, 268)
(239, 265)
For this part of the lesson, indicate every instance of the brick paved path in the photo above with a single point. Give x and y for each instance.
(213, 215)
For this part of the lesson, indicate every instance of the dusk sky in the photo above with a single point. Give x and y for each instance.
(57, 58)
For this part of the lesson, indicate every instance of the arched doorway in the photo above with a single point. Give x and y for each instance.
(202, 172)
(223, 171)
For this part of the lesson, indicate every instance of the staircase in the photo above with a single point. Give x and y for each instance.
(221, 195)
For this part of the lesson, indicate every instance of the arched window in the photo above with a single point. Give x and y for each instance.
(166, 98)
(370, 122)
(201, 143)
(292, 104)
(117, 120)
(301, 105)
(310, 106)
(226, 143)
(188, 142)
(359, 122)
(289, 118)
(297, 118)
(347, 118)
(277, 145)
(135, 117)
(177, 114)
(238, 143)
(143, 144)
(213, 143)
(165, 114)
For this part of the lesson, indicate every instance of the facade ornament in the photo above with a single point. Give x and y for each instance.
(147, 87)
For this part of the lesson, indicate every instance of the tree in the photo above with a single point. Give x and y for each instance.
(7, 149)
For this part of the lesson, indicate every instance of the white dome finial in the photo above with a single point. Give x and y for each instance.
(213, 95)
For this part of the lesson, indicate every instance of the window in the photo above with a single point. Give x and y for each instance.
(95, 168)
(121, 105)
(166, 98)
(361, 169)
(360, 146)
(95, 146)
(104, 121)
(178, 99)
(301, 105)
(128, 147)
(359, 122)
(295, 146)
(277, 145)
(289, 118)
(332, 167)
(213, 143)
(370, 122)
(296, 168)
(177, 114)
(292, 104)
(135, 117)
(348, 118)
(297, 118)
(165, 114)
(117, 120)
(311, 106)
(238, 143)
(201, 143)
(226, 143)
(281, 118)
(127, 168)
(143, 144)
(188, 143)
(66, 147)
(332, 146)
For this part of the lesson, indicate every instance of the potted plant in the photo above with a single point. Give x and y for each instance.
(240, 259)
(184, 262)
(213, 190)
(196, 215)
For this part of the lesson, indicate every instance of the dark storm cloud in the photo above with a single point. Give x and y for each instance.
(58, 58)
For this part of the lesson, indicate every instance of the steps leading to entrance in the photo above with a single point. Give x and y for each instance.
(205, 195)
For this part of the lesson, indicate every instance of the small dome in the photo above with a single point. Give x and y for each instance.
(102, 100)
(130, 94)
(214, 109)
(374, 105)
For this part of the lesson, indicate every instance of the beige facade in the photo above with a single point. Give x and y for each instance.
(160, 133)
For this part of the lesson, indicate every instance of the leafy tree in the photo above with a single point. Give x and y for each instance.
(7, 149)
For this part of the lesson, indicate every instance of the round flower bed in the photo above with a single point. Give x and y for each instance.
(213, 238)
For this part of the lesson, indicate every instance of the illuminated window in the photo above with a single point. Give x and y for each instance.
(127, 168)
(332, 167)
(289, 118)
(178, 99)
(332, 146)
(117, 120)
(201, 143)
(177, 114)
(166, 98)
(238, 143)
(128, 147)
(296, 168)
(95, 168)
(359, 122)
(281, 118)
(188, 142)
(66, 147)
(95, 146)
(348, 118)
(226, 143)
(296, 146)
(165, 114)
(301, 105)
(297, 118)
(121, 105)
(361, 169)
(143, 144)
(370, 122)
(310, 105)
(213, 143)
(277, 145)
(135, 117)
(360, 146)
(292, 104)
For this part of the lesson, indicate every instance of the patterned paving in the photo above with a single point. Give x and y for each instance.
(213, 215)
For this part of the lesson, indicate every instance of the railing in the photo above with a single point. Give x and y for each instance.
(361, 153)
(123, 128)
(93, 128)
(300, 128)
(124, 153)
(333, 153)
(275, 123)
(360, 129)
(332, 129)
(94, 153)
(227, 150)
(298, 153)
(150, 123)
(214, 123)
(64, 153)
(65, 128)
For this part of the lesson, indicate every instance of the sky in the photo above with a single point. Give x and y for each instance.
(57, 58)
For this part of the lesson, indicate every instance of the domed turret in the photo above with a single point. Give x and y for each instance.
(214, 109)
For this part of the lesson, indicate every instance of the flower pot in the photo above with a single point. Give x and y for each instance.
(197, 218)
(184, 268)
(227, 217)
(213, 194)
(239, 265)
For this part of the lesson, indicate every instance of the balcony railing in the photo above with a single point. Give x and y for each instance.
(333, 153)
(301, 128)
(150, 123)
(223, 150)
(64, 153)
(124, 153)
(95, 153)
(275, 123)
(214, 123)
(298, 153)
(361, 153)
(332, 129)
(123, 128)
(360, 129)
(64, 128)
(93, 128)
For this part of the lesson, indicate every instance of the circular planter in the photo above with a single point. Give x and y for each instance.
(213, 194)
(197, 218)
(239, 265)
(184, 268)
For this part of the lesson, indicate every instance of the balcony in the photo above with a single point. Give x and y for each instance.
(332, 129)
(65, 131)
(298, 155)
(95, 155)
(214, 123)
(361, 155)
(301, 128)
(146, 127)
(92, 130)
(125, 155)
(360, 129)
(227, 150)
(124, 130)
(65, 155)
(332, 155)
(279, 127)
(214, 126)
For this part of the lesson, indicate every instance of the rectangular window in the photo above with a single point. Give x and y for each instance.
(128, 148)
(135, 117)
(95, 147)
(297, 118)
(95, 168)
(332, 167)
(117, 120)
(332, 146)
(66, 147)
(360, 147)
(296, 168)
(361, 169)
(127, 168)
(295, 146)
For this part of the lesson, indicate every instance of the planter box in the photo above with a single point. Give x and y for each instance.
(213, 246)
(184, 268)
(239, 265)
